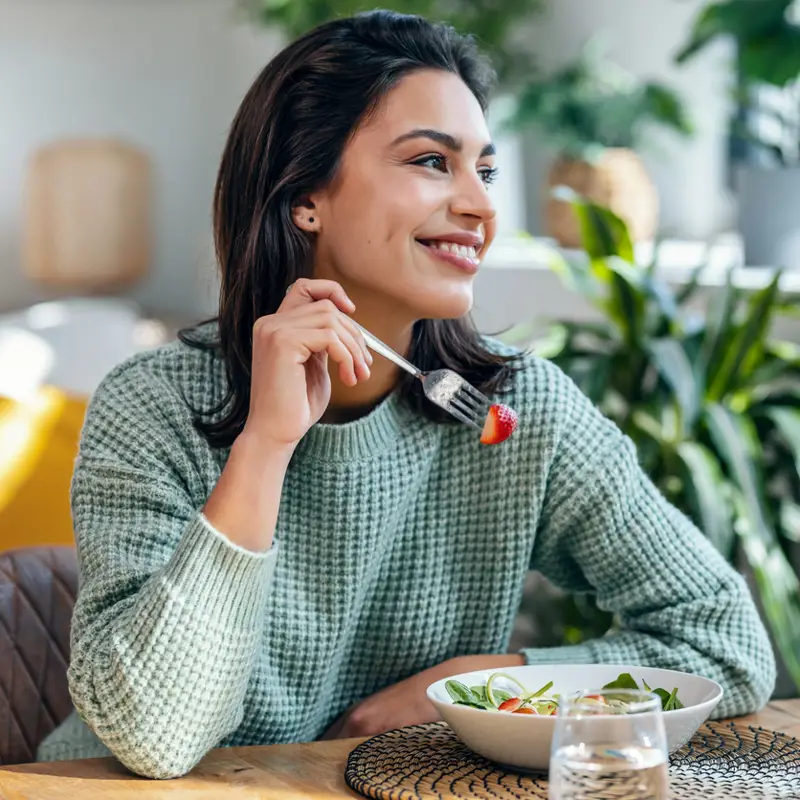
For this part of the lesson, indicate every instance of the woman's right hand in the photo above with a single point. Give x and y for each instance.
(290, 387)
(289, 391)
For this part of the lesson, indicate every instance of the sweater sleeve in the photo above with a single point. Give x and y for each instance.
(169, 612)
(606, 529)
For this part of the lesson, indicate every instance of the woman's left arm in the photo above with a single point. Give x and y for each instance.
(606, 529)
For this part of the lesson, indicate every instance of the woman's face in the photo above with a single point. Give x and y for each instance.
(408, 218)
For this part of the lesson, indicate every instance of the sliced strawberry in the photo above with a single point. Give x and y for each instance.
(526, 710)
(512, 704)
(500, 424)
(596, 697)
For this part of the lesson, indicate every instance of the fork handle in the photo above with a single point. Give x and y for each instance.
(379, 347)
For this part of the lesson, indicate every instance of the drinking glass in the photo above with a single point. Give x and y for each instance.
(609, 744)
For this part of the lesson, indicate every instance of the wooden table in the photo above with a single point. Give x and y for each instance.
(280, 772)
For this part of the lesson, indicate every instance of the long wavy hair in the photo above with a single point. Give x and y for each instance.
(286, 142)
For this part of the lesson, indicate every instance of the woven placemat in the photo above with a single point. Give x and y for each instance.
(723, 761)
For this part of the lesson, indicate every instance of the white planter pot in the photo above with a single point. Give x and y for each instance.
(508, 190)
(769, 216)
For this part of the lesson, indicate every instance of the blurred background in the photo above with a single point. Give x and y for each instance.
(649, 239)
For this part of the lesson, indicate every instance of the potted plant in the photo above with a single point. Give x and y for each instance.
(596, 115)
(712, 403)
(765, 131)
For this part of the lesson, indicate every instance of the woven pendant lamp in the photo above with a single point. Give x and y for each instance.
(88, 216)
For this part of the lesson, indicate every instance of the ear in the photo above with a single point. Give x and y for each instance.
(305, 217)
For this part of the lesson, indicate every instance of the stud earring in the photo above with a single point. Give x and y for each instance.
(311, 219)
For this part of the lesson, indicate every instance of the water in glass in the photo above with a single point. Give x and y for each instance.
(609, 745)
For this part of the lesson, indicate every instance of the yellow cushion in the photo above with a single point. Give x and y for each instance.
(38, 444)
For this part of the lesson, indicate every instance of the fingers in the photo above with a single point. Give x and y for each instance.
(323, 314)
(351, 334)
(307, 290)
(352, 339)
(339, 346)
(313, 318)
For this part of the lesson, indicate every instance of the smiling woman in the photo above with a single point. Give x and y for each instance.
(279, 539)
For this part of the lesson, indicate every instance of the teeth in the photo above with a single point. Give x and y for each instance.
(456, 249)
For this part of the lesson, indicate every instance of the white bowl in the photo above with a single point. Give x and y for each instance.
(523, 741)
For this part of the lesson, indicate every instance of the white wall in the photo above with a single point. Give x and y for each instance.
(643, 36)
(165, 74)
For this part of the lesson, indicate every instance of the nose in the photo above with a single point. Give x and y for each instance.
(471, 198)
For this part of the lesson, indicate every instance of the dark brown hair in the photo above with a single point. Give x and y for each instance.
(286, 141)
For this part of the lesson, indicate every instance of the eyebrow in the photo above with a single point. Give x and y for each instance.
(445, 139)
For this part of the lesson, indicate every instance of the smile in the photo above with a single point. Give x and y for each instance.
(459, 255)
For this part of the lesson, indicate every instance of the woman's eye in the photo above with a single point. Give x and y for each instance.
(439, 163)
(488, 174)
(434, 161)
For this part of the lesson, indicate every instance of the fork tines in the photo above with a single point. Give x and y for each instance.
(469, 405)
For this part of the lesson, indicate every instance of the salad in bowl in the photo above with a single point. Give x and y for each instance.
(508, 716)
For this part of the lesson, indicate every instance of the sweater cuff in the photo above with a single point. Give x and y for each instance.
(569, 654)
(218, 579)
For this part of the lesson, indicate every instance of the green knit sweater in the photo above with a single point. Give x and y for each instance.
(400, 543)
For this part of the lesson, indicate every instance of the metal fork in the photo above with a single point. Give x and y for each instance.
(441, 386)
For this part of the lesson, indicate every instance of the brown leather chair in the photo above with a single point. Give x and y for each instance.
(37, 592)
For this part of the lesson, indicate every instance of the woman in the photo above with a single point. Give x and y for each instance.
(279, 538)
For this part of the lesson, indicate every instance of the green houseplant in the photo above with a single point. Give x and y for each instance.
(596, 115)
(711, 402)
(765, 130)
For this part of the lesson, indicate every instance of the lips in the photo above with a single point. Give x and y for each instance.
(463, 255)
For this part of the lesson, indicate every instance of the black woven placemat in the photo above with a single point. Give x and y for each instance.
(723, 761)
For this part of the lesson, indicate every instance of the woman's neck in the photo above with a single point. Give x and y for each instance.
(351, 402)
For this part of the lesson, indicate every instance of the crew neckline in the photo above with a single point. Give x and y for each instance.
(366, 437)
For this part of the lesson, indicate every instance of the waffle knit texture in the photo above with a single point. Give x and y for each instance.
(400, 543)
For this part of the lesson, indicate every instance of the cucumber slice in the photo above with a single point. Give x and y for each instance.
(490, 695)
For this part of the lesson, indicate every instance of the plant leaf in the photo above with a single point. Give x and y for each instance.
(576, 274)
(790, 520)
(652, 266)
(673, 365)
(665, 301)
(720, 329)
(747, 349)
(604, 234)
(766, 30)
(787, 422)
(774, 60)
(665, 106)
(778, 591)
(735, 439)
(686, 291)
(708, 24)
(706, 490)
(627, 304)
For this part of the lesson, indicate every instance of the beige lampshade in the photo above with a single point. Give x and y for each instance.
(88, 223)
